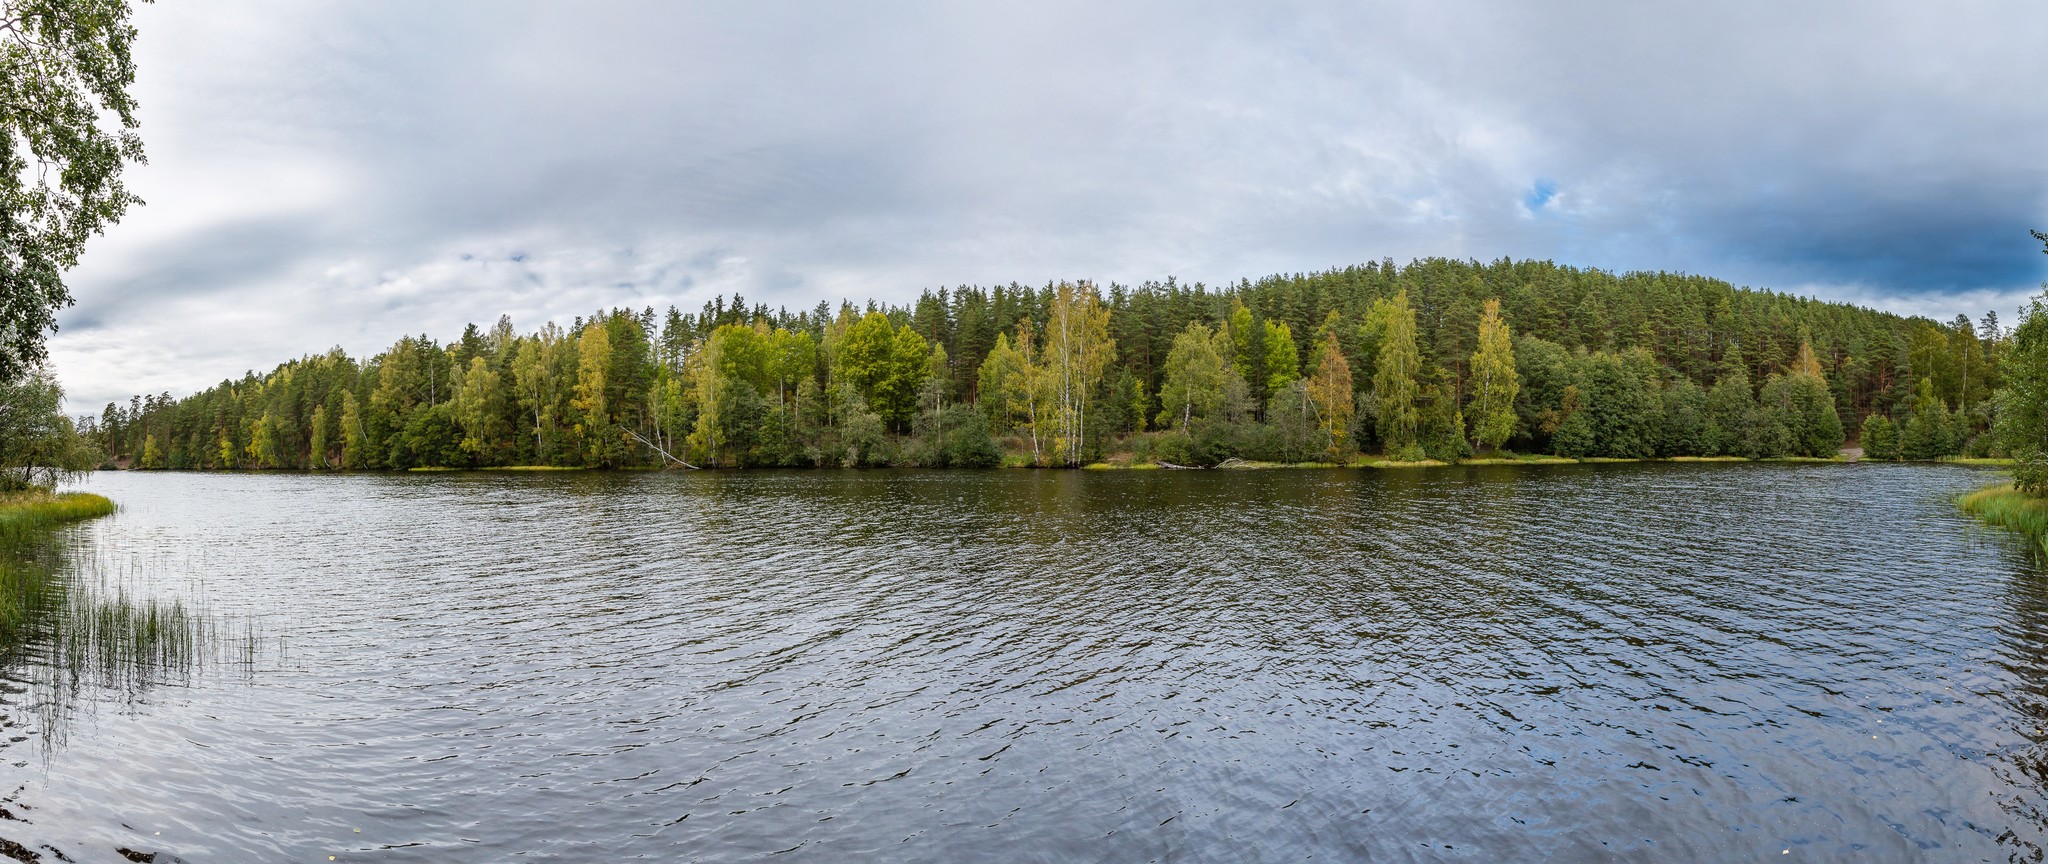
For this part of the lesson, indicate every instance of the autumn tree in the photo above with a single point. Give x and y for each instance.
(1329, 389)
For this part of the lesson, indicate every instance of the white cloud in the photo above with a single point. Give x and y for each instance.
(317, 177)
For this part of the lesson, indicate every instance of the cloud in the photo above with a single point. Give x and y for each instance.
(356, 171)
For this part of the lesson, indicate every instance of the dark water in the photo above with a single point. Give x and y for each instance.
(1644, 662)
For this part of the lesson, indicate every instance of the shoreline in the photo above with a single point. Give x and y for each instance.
(2004, 506)
(24, 516)
(1112, 464)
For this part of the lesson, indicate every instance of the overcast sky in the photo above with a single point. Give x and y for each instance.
(343, 174)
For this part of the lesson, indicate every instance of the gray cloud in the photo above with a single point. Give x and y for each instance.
(350, 172)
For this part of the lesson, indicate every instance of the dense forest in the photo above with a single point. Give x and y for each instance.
(1437, 359)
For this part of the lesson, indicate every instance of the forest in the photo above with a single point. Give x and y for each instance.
(1439, 359)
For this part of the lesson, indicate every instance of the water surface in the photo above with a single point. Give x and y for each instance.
(1643, 662)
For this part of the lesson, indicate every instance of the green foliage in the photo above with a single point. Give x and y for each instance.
(39, 446)
(1880, 438)
(1929, 431)
(1685, 430)
(2022, 426)
(1282, 356)
(1623, 411)
(1548, 394)
(1440, 426)
(1730, 408)
(1803, 414)
(1195, 378)
(67, 129)
(1298, 436)
(1596, 364)
(1395, 370)
(1494, 381)
(956, 437)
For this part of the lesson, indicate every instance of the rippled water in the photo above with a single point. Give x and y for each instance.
(1651, 662)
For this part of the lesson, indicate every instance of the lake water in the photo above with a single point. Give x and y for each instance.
(1658, 662)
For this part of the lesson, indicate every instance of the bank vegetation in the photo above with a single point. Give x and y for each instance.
(1435, 361)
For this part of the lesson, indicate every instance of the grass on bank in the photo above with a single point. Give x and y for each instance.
(23, 512)
(26, 587)
(435, 468)
(2007, 507)
(1126, 461)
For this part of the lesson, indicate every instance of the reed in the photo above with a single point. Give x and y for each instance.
(126, 640)
(28, 586)
(2009, 508)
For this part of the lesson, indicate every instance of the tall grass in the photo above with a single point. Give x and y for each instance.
(2007, 507)
(123, 640)
(24, 514)
(28, 585)
(71, 622)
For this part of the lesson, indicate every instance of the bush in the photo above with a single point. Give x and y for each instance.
(962, 441)
(1220, 441)
(1172, 447)
(2030, 473)
(1880, 437)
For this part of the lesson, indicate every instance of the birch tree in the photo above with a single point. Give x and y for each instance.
(1494, 382)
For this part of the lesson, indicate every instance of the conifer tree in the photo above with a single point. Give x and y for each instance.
(1926, 434)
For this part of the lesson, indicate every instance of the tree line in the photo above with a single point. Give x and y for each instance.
(1438, 359)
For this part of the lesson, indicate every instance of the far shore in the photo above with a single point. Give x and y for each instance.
(1125, 462)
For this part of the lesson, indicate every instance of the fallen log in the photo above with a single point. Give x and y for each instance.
(657, 449)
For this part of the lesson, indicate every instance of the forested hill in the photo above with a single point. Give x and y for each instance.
(1373, 358)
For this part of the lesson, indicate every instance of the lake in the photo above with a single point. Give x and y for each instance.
(1655, 662)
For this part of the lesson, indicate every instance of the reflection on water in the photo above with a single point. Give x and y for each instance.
(103, 632)
(1656, 662)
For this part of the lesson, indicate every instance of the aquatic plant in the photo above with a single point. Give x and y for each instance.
(2007, 507)
(27, 585)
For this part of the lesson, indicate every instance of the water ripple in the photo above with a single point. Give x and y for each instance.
(1652, 662)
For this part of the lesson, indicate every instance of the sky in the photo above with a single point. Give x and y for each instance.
(342, 174)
